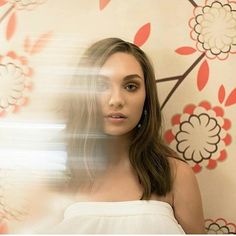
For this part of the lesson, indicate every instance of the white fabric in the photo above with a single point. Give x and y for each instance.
(128, 217)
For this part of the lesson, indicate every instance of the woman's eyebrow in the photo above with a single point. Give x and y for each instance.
(133, 76)
(127, 77)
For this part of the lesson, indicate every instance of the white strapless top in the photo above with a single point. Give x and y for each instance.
(127, 217)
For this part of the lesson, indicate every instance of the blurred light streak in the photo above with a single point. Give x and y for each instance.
(24, 125)
(32, 146)
(32, 159)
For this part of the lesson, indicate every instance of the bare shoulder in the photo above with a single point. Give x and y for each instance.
(181, 172)
(184, 179)
(187, 203)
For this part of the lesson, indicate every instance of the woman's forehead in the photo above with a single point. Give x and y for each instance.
(121, 63)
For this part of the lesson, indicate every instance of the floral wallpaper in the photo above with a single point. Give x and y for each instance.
(192, 44)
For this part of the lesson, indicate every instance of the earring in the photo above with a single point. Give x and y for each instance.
(145, 114)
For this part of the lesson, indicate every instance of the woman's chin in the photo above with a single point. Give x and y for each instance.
(115, 132)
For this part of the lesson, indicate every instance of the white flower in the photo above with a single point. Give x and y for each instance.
(198, 137)
(220, 226)
(12, 83)
(214, 28)
(26, 4)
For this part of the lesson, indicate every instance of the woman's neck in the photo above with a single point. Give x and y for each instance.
(118, 152)
(118, 167)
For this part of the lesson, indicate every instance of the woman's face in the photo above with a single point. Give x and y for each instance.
(121, 93)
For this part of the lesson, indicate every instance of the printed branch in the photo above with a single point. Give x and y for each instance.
(179, 79)
(193, 3)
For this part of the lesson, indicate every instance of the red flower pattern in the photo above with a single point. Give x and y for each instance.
(15, 82)
(219, 226)
(214, 28)
(200, 135)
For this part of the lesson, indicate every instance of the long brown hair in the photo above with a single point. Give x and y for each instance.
(148, 154)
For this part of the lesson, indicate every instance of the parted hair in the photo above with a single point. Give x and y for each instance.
(148, 154)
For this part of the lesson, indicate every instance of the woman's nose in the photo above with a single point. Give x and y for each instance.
(116, 98)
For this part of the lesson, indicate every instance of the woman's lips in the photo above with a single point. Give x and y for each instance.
(116, 117)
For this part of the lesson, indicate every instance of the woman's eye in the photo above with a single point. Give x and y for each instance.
(102, 86)
(131, 87)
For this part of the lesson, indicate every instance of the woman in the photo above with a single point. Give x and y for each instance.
(124, 178)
